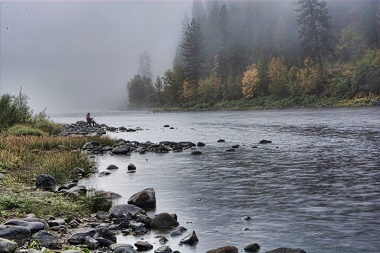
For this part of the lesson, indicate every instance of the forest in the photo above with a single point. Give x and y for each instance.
(267, 54)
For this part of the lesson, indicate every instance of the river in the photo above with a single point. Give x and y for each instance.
(315, 187)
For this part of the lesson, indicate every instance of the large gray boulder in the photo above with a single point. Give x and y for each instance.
(253, 247)
(125, 209)
(33, 226)
(225, 249)
(47, 240)
(7, 246)
(144, 199)
(46, 182)
(15, 233)
(163, 220)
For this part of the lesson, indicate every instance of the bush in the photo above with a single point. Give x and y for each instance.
(14, 110)
(24, 130)
(47, 126)
(98, 202)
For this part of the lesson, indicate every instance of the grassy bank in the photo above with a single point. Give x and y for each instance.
(269, 102)
(24, 157)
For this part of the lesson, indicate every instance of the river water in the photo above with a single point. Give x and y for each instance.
(315, 187)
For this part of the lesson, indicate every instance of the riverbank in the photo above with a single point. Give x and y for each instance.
(271, 103)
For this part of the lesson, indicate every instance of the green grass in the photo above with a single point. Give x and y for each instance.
(22, 130)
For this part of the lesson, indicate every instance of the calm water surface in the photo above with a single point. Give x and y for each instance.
(316, 187)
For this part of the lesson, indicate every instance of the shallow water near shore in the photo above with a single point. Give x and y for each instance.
(316, 187)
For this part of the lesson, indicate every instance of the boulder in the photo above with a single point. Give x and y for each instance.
(144, 199)
(196, 152)
(122, 150)
(286, 250)
(33, 226)
(162, 239)
(104, 173)
(253, 247)
(47, 240)
(79, 236)
(190, 239)
(221, 140)
(79, 171)
(265, 142)
(104, 242)
(225, 249)
(125, 209)
(7, 246)
(131, 166)
(15, 233)
(112, 167)
(178, 231)
(201, 144)
(163, 249)
(45, 182)
(142, 246)
(163, 220)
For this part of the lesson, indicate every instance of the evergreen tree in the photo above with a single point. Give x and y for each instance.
(315, 30)
(224, 27)
(192, 51)
(145, 69)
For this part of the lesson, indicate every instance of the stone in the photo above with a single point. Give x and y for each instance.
(78, 171)
(112, 167)
(201, 144)
(125, 209)
(163, 249)
(225, 249)
(46, 182)
(190, 239)
(162, 239)
(178, 231)
(115, 246)
(105, 233)
(90, 242)
(121, 150)
(47, 240)
(15, 233)
(56, 222)
(163, 220)
(7, 246)
(33, 226)
(79, 236)
(142, 246)
(131, 166)
(253, 247)
(265, 142)
(221, 140)
(286, 250)
(104, 242)
(144, 199)
(196, 152)
(104, 173)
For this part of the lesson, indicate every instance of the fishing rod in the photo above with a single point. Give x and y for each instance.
(99, 113)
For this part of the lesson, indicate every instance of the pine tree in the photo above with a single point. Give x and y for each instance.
(315, 30)
(224, 27)
(192, 51)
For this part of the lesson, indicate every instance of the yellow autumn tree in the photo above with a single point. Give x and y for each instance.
(278, 76)
(250, 81)
(189, 91)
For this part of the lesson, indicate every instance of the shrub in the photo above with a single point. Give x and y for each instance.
(14, 110)
(24, 130)
(47, 126)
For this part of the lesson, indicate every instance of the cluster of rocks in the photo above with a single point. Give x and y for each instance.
(98, 233)
(83, 128)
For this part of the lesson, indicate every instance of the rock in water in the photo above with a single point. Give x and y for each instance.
(225, 249)
(163, 220)
(144, 199)
(190, 239)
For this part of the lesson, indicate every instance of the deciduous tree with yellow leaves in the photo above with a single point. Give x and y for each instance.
(250, 81)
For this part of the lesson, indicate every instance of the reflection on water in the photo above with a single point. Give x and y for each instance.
(316, 187)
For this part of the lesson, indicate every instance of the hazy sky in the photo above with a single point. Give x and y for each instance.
(78, 56)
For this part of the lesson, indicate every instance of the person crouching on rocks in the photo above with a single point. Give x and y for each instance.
(90, 120)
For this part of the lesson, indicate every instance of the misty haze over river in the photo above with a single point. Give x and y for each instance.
(316, 187)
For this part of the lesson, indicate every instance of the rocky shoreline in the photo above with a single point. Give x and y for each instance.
(98, 233)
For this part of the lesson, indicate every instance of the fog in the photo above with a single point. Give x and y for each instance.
(78, 56)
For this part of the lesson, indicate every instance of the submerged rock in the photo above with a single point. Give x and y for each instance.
(190, 239)
(286, 250)
(163, 220)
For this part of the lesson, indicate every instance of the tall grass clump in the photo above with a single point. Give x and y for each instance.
(20, 130)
